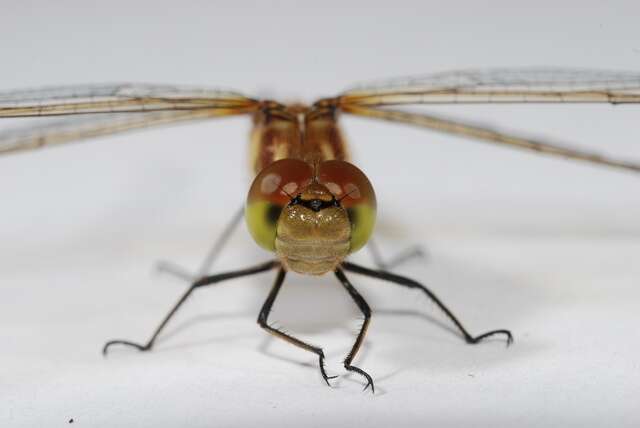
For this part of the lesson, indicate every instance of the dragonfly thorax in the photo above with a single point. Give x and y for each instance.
(311, 134)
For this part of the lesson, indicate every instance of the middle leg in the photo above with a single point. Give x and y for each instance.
(204, 281)
(407, 282)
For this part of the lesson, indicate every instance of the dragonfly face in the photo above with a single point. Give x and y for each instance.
(313, 232)
(311, 216)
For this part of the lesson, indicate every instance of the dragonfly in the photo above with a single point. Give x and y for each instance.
(308, 203)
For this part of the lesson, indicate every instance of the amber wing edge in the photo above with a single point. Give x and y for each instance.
(83, 112)
(514, 86)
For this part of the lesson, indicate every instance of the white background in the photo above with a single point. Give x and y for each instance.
(545, 247)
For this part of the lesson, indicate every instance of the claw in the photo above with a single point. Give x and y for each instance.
(327, 379)
(509, 338)
(324, 373)
(480, 338)
(367, 386)
(139, 347)
(369, 383)
(363, 374)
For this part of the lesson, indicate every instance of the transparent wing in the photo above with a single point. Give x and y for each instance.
(75, 128)
(526, 85)
(118, 98)
(474, 132)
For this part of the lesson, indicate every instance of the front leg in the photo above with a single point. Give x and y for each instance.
(366, 311)
(263, 321)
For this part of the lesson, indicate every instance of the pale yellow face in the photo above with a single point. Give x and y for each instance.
(310, 239)
(312, 219)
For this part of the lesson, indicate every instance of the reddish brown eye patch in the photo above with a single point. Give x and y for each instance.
(347, 183)
(281, 181)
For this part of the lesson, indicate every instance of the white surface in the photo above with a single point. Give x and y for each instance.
(544, 247)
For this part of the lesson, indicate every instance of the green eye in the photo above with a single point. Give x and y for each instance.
(262, 219)
(363, 219)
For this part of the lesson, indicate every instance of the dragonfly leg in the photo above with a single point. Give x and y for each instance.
(366, 311)
(407, 282)
(164, 266)
(263, 321)
(204, 281)
(414, 251)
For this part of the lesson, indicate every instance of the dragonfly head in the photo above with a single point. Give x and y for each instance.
(311, 217)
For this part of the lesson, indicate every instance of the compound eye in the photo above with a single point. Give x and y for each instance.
(270, 192)
(354, 191)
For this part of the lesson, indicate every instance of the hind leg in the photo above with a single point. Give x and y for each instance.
(404, 256)
(165, 266)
